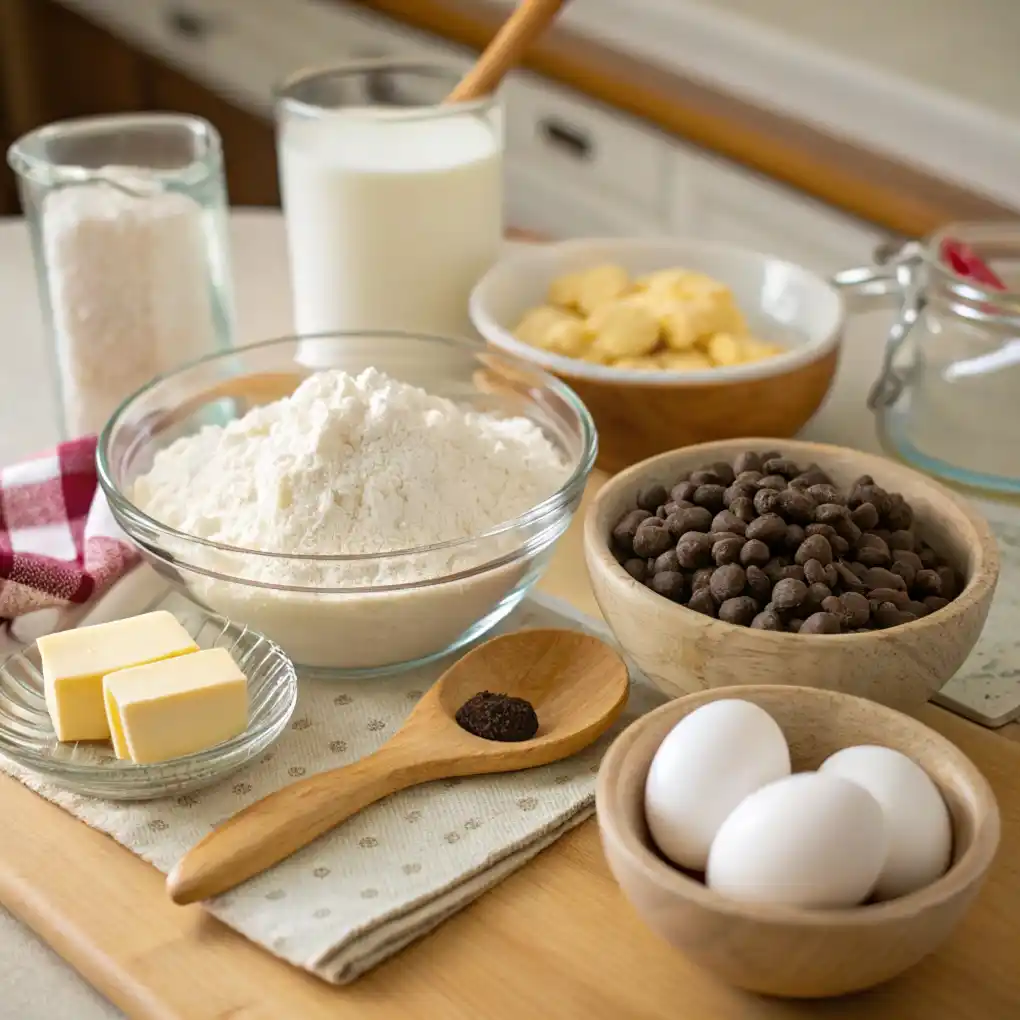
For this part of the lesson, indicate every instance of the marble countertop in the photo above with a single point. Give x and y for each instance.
(34, 983)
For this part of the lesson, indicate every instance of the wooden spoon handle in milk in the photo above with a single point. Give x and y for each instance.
(519, 31)
(271, 829)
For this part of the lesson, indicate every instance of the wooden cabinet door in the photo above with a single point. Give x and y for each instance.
(248, 141)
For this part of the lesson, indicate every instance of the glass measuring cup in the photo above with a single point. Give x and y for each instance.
(393, 200)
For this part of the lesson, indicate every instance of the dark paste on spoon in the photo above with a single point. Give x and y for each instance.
(498, 717)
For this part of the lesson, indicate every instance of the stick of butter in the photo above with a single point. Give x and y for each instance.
(74, 663)
(177, 706)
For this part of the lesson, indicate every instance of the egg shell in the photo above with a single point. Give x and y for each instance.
(917, 820)
(707, 764)
(809, 840)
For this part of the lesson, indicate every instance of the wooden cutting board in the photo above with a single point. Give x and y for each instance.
(557, 940)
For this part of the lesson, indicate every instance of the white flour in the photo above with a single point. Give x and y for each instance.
(129, 286)
(351, 465)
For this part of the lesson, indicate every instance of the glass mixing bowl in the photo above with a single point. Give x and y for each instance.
(357, 626)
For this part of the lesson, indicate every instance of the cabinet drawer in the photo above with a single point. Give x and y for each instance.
(579, 142)
(536, 201)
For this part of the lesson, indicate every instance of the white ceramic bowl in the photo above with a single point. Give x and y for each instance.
(639, 414)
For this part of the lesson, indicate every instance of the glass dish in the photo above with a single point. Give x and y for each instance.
(352, 627)
(26, 736)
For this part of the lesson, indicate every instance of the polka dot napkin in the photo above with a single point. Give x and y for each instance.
(396, 870)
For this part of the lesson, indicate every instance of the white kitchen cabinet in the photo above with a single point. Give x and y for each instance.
(536, 200)
(716, 200)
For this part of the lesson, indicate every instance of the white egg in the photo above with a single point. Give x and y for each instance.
(708, 763)
(917, 819)
(809, 840)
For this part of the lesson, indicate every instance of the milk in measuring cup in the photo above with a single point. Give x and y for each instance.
(392, 217)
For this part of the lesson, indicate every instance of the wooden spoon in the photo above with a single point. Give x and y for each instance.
(519, 31)
(577, 684)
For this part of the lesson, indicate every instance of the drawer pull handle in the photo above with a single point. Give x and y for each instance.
(570, 140)
(188, 25)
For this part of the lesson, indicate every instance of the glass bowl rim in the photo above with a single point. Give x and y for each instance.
(121, 504)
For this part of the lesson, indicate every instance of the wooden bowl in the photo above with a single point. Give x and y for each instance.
(783, 950)
(683, 651)
(639, 414)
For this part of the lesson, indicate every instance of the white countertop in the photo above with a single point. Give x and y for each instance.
(34, 983)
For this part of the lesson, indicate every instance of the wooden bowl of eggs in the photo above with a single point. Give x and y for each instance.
(769, 572)
(795, 841)
(668, 341)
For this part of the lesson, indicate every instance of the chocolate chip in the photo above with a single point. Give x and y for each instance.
(796, 507)
(848, 578)
(873, 552)
(905, 556)
(740, 610)
(701, 577)
(749, 478)
(792, 570)
(928, 582)
(694, 550)
(696, 518)
(777, 482)
(816, 595)
(865, 516)
(950, 588)
(887, 615)
(766, 500)
(830, 513)
(847, 530)
(652, 538)
(897, 596)
(788, 594)
(795, 534)
(727, 550)
(782, 466)
(815, 547)
(768, 619)
(758, 583)
(903, 540)
(754, 552)
(769, 528)
(935, 602)
(738, 490)
(899, 516)
(832, 604)
(905, 570)
(638, 569)
(626, 528)
(879, 577)
(821, 623)
(823, 494)
(710, 496)
(724, 472)
(651, 498)
(749, 461)
(929, 558)
(725, 520)
(683, 491)
(702, 602)
(743, 508)
(856, 610)
(831, 577)
(666, 561)
(669, 584)
(707, 476)
(794, 625)
(814, 572)
(727, 582)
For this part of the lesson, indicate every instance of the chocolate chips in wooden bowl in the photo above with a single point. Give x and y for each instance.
(767, 543)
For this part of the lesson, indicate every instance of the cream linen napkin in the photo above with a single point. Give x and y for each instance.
(396, 870)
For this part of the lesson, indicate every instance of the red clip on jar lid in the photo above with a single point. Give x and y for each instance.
(964, 261)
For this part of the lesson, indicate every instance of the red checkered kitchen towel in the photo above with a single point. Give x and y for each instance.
(59, 544)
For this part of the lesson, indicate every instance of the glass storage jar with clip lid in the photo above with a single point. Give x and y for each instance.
(127, 215)
(947, 399)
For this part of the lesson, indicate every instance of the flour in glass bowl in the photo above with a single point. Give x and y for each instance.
(350, 465)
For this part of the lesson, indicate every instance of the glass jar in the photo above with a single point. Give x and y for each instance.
(947, 399)
(393, 201)
(127, 216)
